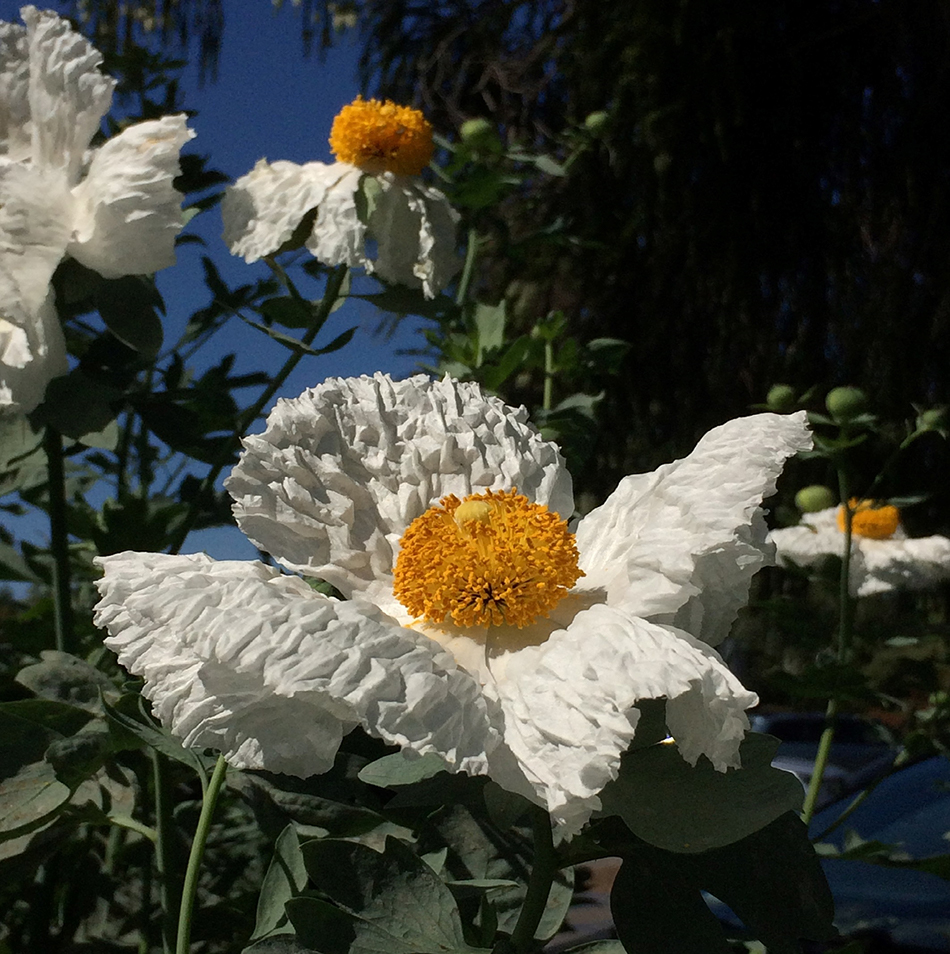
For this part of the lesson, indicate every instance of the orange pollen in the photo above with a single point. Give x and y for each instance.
(870, 519)
(382, 137)
(487, 560)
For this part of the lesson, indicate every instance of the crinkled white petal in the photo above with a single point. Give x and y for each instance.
(36, 209)
(877, 566)
(127, 212)
(68, 95)
(568, 706)
(414, 227)
(240, 658)
(338, 235)
(15, 123)
(341, 471)
(682, 544)
(32, 349)
(263, 208)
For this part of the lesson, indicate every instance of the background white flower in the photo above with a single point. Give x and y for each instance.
(877, 566)
(372, 197)
(112, 208)
(242, 658)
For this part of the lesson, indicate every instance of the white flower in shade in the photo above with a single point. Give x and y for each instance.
(112, 207)
(883, 557)
(372, 195)
(477, 628)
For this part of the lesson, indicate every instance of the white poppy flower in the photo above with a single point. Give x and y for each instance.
(383, 487)
(113, 208)
(883, 558)
(373, 194)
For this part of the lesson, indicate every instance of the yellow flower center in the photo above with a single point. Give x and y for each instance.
(490, 559)
(382, 137)
(870, 519)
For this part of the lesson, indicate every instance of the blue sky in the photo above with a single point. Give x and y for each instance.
(268, 101)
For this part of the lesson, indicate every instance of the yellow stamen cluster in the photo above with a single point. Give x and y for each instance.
(870, 519)
(491, 559)
(382, 137)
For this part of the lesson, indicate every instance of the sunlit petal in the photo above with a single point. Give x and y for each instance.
(277, 688)
(68, 95)
(568, 704)
(687, 539)
(341, 471)
(128, 213)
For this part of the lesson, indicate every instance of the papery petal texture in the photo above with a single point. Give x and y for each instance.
(682, 544)
(36, 210)
(15, 123)
(127, 212)
(32, 349)
(569, 705)
(262, 209)
(338, 236)
(877, 566)
(341, 471)
(276, 688)
(414, 227)
(67, 93)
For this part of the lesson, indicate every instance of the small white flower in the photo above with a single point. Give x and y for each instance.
(112, 208)
(344, 483)
(382, 148)
(891, 562)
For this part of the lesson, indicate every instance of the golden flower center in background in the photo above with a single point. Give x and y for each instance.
(490, 559)
(870, 519)
(382, 137)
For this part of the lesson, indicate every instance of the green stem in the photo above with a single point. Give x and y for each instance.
(821, 761)
(165, 850)
(845, 623)
(59, 541)
(334, 283)
(543, 870)
(471, 253)
(548, 375)
(128, 822)
(900, 759)
(197, 853)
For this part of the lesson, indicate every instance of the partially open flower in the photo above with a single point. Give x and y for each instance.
(371, 196)
(883, 558)
(112, 208)
(477, 628)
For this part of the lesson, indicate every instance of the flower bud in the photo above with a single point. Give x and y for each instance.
(596, 122)
(478, 134)
(933, 419)
(813, 498)
(844, 404)
(781, 398)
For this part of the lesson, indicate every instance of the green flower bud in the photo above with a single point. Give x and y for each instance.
(781, 398)
(596, 122)
(933, 419)
(814, 497)
(845, 404)
(478, 133)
